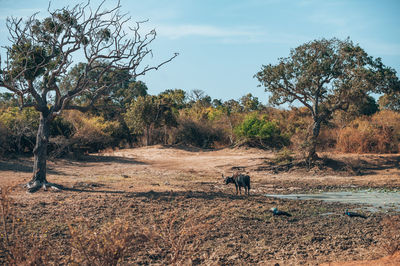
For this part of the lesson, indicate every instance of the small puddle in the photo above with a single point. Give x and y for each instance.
(377, 200)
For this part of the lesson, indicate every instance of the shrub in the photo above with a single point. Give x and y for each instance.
(105, 246)
(199, 134)
(179, 235)
(254, 131)
(91, 133)
(148, 114)
(284, 156)
(377, 134)
(19, 129)
(4, 143)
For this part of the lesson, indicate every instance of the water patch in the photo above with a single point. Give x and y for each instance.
(375, 200)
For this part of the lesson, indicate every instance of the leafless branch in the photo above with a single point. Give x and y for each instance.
(44, 51)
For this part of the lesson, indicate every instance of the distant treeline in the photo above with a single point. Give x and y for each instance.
(195, 119)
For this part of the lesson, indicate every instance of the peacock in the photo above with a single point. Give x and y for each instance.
(354, 214)
(275, 211)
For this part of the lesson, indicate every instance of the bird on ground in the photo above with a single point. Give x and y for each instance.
(354, 214)
(275, 211)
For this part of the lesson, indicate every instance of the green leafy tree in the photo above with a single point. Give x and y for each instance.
(117, 97)
(233, 106)
(325, 76)
(21, 126)
(176, 97)
(199, 99)
(147, 113)
(390, 101)
(7, 99)
(43, 50)
(363, 106)
(257, 131)
(250, 103)
(216, 103)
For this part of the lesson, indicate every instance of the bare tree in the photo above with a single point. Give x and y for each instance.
(43, 51)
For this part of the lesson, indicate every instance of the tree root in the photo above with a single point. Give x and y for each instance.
(34, 186)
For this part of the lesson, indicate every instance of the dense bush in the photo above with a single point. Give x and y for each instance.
(91, 133)
(256, 131)
(18, 130)
(146, 115)
(73, 131)
(294, 123)
(202, 125)
(197, 133)
(379, 133)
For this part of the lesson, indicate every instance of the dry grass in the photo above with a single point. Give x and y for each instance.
(391, 234)
(179, 235)
(377, 134)
(172, 238)
(16, 248)
(107, 245)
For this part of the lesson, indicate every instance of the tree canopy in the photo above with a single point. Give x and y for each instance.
(325, 76)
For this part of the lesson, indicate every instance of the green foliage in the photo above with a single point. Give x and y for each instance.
(7, 99)
(25, 55)
(91, 133)
(390, 101)
(198, 99)
(284, 156)
(148, 113)
(120, 89)
(325, 76)
(363, 106)
(250, 103)
(19, 128)
(202, 134)
(215, 114)
(177, 98)
(61, 127)
(233, 106)
(260, 132)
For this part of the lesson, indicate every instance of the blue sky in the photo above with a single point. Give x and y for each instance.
(223, 43)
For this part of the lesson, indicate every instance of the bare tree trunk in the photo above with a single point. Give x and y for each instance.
(147, 135)
(40, 155)
(165, 135)
(312, 154)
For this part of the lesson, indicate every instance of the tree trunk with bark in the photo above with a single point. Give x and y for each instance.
(40, 155)
(147, 135)
(312, 153)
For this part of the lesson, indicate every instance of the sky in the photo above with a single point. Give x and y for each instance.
(222, 44)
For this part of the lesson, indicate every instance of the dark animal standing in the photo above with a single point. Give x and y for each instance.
(240, 181)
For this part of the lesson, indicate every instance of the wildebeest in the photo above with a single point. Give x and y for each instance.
(240, 180)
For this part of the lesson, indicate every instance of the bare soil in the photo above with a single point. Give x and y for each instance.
(142, 185)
